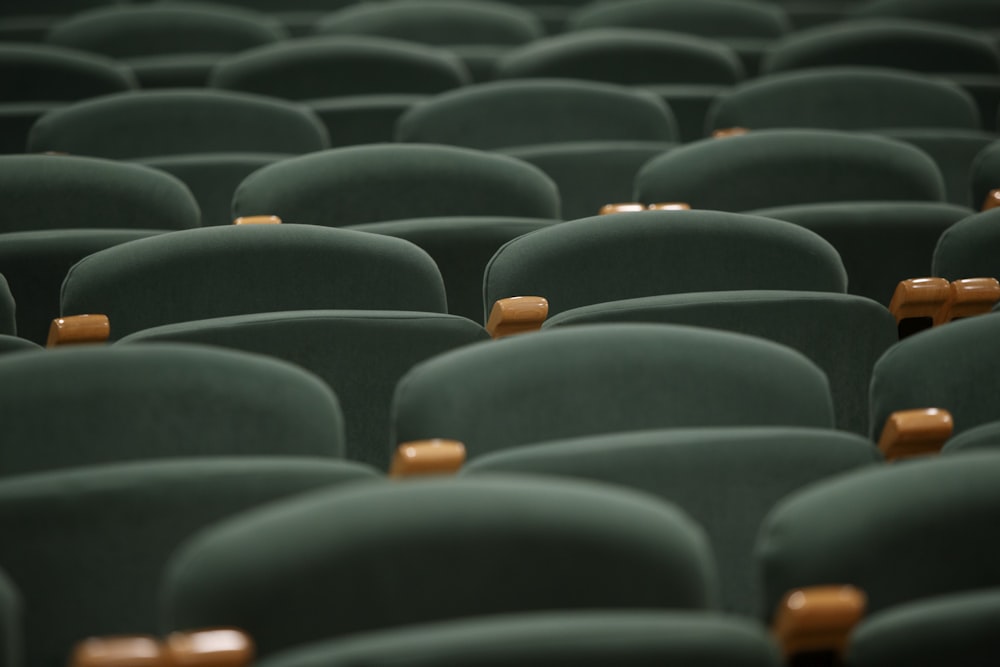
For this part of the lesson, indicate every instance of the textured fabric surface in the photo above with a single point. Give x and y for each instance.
(213, 178)
(589, 380)
(967, 249)
(846, 98)
(954, 151)
(16, 119)
(11, 605)
(62, 192)
(880, 243)
(982, 436)
(844, 335)
(35, 264)
(566, 639)
(784, 167)
(90, 561)
(899, 43)
(519, 113)
(170, 122)
(309, 68)
(362, 119)
(707, 18)
(690, 104)
(630, 255)
(436, 22)
(360, 354)
(155, 402)
(129, 31)
(36, 72)
(951, 367)
(972, 13)
(173, 70)
(221, 271)
(624, 55)
(9, 344)
(986, 172)
(853, 530)
(461, 247)
(350, 186)
(725, 479)
(516, 545)
(8, 325)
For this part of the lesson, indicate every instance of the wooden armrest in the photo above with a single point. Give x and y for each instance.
(624, 207)
(917, 302)
(78, 329)
(257, 220)
(219, 647)
(670, 206)
(818, 619)
(427, 457)
(909, 433)
(969, 297)
(992, 200)
(517, 315)
(134, 651)
(726, 132)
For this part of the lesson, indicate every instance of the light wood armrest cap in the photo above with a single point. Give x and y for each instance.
(992, 200)
(427, 457)
(909, 433)
(217, 647)
(257, 220)
(670, 206)
(125, 651)
(624, 207)
(77, 329)
(969, 297)
(726, 132)
(818, 618)
(517, 315)
(917, 303)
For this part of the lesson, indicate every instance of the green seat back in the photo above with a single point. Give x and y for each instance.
(968, 249)
(354, 185)
(36, 72)
(589, 380)
(983, 436)
(237, 270)
(350, 561)
(8, 324)
(985, 172)
(707, 18)
(972, 13)
(11, 633)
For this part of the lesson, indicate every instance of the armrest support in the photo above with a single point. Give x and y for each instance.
(126, 651)
(427, 457)
(220, 647)
(818, 619)
(992, 200)
(624, 207)
(969, 297)
(916, 303)
(517, 315)
(909, 433)
(79, 329)
(257, 220)
(726, 132)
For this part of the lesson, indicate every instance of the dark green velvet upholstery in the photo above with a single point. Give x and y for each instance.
(589, 380)
(725, 479)
(629, 255)
(354, 185)
(334, 66)
(11, 606)
(844, 335)
(63, 192)
(362, 119)
(360, 354)
(153, 29)
(35, 264)
(901, 43)
(583, 639)
(213, 178)
(436, 22)
(37, 72)
(503, 114)
(784, 167)
(707, 18)
(948, 629)
(16, 119)
(238, 270)
(155, 402)
(985, 173)
(983, 436)
(90, 560)
(461, 247)
(969, 248)
(384, 556)
(8, 325)
(846, 98)
(625, 55)
(10, 343)
(901, 533)
(173, 70)
(880, 243)
(171, 122)
(690, 104)
(972, 13)
(951, 367)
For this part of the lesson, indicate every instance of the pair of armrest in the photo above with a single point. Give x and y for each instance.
(222, 647)
(635, 207)
(921, 303)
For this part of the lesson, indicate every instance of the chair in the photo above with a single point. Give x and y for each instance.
(516, 545)
(8, 325)
(26, 21)
(843, 335)
(970, 13)
(726, 479)
(90, 559)
(985, 174)
(784, 167)
(239, 270)
(11, 610)
(166, 44)
(978, 437)
(555, 385)
(968, 248)
(631, 255)
(360, 184)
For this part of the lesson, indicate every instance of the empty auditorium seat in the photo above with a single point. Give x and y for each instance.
(969, 248)
(985, 174)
